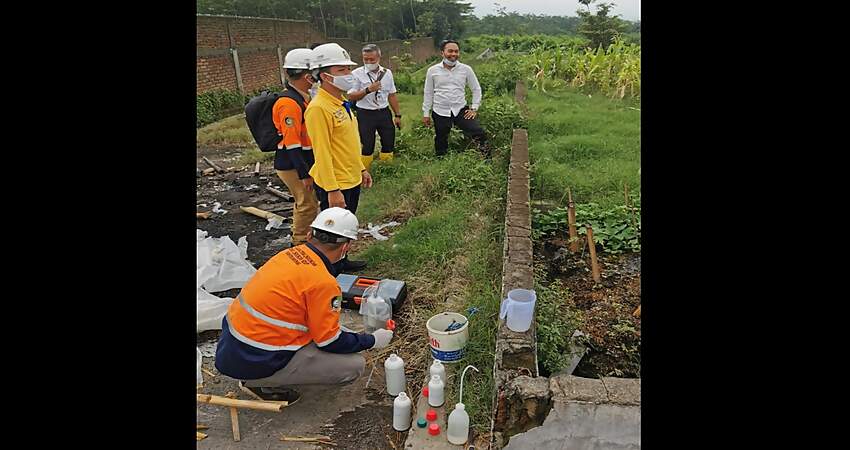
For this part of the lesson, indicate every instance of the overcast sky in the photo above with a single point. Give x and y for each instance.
(627, 9)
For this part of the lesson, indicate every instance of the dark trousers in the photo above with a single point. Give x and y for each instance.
(352, 198)
(443, 125)
(370, 121)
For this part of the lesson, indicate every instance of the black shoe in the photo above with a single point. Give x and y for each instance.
(275, 394)
(353, 266)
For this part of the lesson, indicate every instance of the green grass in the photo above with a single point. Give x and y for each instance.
(588, 144)
(254, 155)
(231, 131)
(450, 254)
(449, 247)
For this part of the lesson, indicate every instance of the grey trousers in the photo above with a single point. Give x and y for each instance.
(310, 365)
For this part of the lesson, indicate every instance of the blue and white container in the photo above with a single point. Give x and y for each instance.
(448, 346)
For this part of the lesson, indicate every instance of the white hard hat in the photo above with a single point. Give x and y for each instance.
(298, 58)
(338, 221)
(331, 54)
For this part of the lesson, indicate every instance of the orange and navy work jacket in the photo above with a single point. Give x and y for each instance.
(291, 301)
(295, 151)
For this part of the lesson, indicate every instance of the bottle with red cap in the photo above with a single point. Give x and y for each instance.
(434, 429)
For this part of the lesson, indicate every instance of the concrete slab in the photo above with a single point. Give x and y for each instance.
(622, 391)
(570, 388)
(583, 426)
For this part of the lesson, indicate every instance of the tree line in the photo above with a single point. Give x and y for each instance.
(442, 19)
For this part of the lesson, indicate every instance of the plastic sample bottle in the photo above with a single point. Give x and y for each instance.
(458, 429)
(401, 412)
(394, 368)
(458, 424)
(437, 368)
(436, 395)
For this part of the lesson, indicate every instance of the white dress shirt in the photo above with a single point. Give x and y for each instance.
(445, 89)
(373, 100)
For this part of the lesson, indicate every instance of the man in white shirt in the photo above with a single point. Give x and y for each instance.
(445, 84)
(374, 91)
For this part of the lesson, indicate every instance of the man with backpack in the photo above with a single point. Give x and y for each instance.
(286, 135)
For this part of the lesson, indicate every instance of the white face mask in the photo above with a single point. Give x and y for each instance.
(344, 255)
(449, 62)
(343, 82)
(371, 67)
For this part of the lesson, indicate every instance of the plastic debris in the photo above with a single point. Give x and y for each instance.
(217, 208)
(207, 349)
(280, 241)
(221, 265)
(275, 222)
(374, 230)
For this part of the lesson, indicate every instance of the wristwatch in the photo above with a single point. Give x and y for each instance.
(398, 115)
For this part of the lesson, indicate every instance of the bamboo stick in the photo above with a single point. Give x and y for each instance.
(594, 264)
(224, 401)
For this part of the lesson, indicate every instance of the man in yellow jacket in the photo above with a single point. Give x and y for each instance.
(338, 171)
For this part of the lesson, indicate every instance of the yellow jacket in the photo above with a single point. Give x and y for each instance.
(336, 143)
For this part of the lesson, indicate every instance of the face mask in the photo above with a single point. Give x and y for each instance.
(343, 82)
(371, 67)
(344, 254)
(448, 62)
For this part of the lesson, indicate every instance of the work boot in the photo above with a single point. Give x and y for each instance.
(353, 266)
(386, 156)
(367, 161)
(272, 394)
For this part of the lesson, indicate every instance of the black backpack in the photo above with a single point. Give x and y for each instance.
(258, 115)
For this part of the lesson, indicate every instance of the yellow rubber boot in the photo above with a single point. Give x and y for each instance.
(367, 161)
(386, 156)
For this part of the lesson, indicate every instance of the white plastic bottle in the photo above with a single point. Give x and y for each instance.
(458, 430)
(375, 310)
(436, 395)
(437, 368)
(394, 368)
(401, 412)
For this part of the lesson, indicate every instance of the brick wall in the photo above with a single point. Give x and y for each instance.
(215, 72)
(256, 41)
(259, 69)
